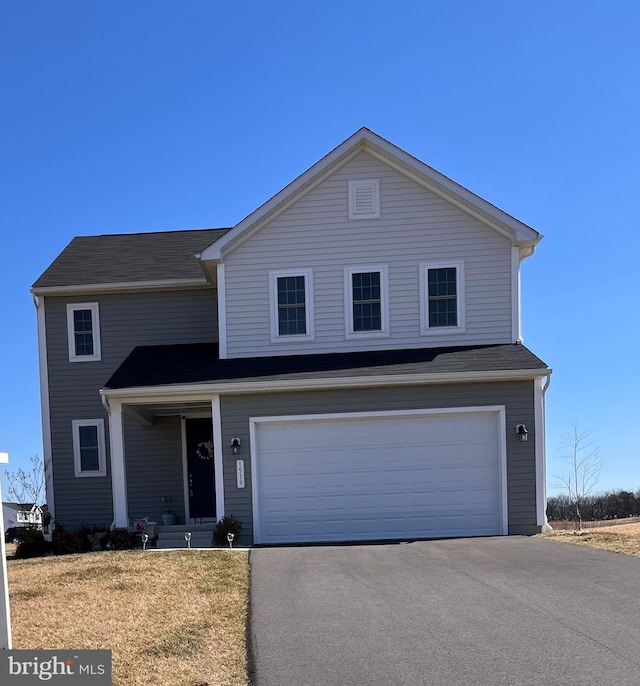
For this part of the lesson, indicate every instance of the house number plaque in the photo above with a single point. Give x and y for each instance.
(240, 473)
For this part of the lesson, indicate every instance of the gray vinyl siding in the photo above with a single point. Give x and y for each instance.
(126, 320)
(415, 225)
(517, 397)
(153, 456)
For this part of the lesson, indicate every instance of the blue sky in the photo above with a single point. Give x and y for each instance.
(123, 117)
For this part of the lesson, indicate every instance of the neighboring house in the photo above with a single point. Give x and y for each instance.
(26, 514)
(343, 364)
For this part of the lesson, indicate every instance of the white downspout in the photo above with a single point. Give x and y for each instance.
(516, 326)
(541, 452)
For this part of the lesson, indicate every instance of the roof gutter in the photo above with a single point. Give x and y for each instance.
(145, 394)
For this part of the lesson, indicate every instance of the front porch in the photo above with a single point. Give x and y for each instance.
(166, 458)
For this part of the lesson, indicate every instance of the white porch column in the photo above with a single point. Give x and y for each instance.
(118, 472)
(5, 619)
(216, 418)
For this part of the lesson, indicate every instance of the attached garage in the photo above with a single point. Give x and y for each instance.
(379, 475)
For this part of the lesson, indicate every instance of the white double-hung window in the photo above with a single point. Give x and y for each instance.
(366, 301)
(291, 303)
(442, 307)
(83, 331)
(89, 454)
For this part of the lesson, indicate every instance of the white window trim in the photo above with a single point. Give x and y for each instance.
(425, 329)
(95, 327)
(349, 333)
(102, 457)
(355, 183)
(276, 274)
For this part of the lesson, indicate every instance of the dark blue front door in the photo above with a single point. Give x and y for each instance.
(202, 494)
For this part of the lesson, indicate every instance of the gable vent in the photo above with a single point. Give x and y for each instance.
(364, 199)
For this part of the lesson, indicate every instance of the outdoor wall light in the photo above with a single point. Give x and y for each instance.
(187, 538)
(235, 445)
(521, 430)
(230, 538)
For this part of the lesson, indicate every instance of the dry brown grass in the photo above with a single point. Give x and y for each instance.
(621, 538)
(627, 529)
(174, 618)
(568, 524)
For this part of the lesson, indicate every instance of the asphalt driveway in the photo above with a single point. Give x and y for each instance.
(491, 611)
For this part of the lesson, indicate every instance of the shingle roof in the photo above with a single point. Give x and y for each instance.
(123, 258)
(161, 365)
(20, 507)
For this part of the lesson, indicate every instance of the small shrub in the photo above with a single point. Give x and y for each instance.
(85, 543)
(121, 539)
(94, 537)
(32, 545)
(65, 543)
(227, 525)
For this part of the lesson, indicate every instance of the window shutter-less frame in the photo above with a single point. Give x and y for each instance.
(364, 199)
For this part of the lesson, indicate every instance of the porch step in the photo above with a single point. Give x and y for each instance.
(173, 536)
(183, 528)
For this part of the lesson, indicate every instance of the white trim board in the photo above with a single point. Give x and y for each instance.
(128, 286)
(39, 303)
(218, 461)
(148, 394)
(375, 413)
(222, 311)
(499, 410)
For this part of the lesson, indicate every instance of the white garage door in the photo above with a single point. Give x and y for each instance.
(377, 476)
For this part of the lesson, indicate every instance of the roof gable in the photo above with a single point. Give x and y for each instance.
(365, 140)
(20, 507)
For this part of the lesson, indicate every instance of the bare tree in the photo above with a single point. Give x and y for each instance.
(28, 485)
(583, 466)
